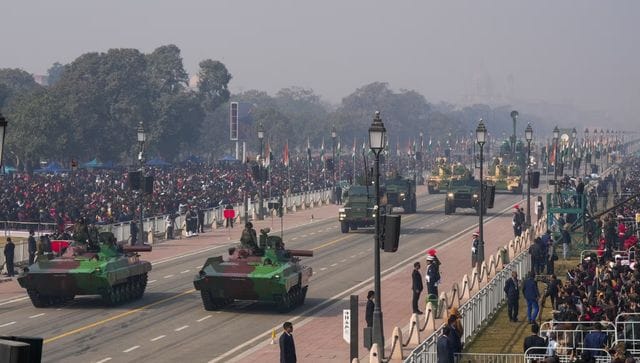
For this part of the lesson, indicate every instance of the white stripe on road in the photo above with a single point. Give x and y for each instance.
(185, 271)
(168, 276)
(151, 282)
(104, 360)
(203, 319)
(131, 349)
(294, 238)
(35, 316)
(353, 256)
(7, 324)
(333, 265)
(322, 269)
(182, 328)
(343, 260)
(14, 300)
(158, 338)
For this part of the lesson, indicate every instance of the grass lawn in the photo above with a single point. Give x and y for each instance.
(503, 336)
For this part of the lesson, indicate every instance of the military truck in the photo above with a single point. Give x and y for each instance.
(401, 192)
(465, 193)
(357, 211)
(440, 176)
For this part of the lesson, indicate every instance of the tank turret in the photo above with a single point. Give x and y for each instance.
(270, 273)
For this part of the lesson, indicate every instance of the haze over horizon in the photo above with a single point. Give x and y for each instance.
(577, 54)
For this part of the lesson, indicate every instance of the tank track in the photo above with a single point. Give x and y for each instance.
(131, 290)
(294, 298)
(42, 301)
(210, 303)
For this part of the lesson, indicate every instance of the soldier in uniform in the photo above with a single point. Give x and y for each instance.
(249, 238)
(474, 248)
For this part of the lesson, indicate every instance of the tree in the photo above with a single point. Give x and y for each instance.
(14, 82)
(55, 73)
(165, 70)
(213, 84)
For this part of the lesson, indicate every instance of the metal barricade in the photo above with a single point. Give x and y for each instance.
(628, 331)
(571, 333)
(477, 310)
(489, 357)
(566, 355)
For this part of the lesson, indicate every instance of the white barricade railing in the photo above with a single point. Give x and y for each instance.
(628, 331)
(566, 354)
(572, 333)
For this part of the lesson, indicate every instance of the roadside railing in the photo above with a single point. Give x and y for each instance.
(628, 332)
(572, 333)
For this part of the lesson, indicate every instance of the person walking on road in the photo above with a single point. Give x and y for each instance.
(512, 290)
(287, 346)
(9, 248)
(31, 244)
(531, 294)
(368, 314)
(416, 287)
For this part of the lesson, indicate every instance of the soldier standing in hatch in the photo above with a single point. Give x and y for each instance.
(249, 238)
(31, 243)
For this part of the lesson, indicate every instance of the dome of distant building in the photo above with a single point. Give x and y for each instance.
(193, 81)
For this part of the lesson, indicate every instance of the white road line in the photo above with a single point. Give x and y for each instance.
(322, 269)
(14, 300)
(168, 276)
(343, 260)
(185, 271)
(335, 264)
(158, 338)
(151, 281)
(203, 319)
(104, 360)
(7, 324)
(361, 253)
(181, 328)
(198, 267)
(131, 349)
(294, 238)
(35, 316)
(304, 235)
(353, 256)
(319, 231)
(312, 233)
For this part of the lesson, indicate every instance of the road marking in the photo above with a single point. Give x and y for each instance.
(198, 267)
(333, 265)
(35, 316)
(14, 300)
(322, 269)
(168, 276)
(320, 231)
(294, 238)
(304, 235)
(151, 281)
(7, 324)
(203, 319)
(185, 271)
(131, 349)
(181, 328)
(116, 317)
(353, 256)
(104, 360)
(312, 233)
(158, 338)
(329, 243)
(343, 260)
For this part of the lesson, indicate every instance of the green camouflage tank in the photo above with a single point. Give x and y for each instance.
(268, 273)
(94, 266)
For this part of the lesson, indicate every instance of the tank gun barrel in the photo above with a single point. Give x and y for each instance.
(137, 248)
(301, 253)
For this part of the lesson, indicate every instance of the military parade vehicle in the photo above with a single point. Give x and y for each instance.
(357, 210)
(505, 177)
(401, 192)
(440, 176)
(266, 272)
(465, 193)
(92, 264)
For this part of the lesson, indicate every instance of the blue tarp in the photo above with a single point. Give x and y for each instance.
(52, 168)
(95, 164)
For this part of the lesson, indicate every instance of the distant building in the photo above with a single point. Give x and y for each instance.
(41, 79)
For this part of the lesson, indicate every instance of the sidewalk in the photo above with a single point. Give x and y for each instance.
(165, 249)
(319, 339)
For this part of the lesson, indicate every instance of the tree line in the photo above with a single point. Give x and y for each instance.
(92, 106)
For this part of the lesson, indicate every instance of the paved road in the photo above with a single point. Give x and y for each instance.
(169, 324)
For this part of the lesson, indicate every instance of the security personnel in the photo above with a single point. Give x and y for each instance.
(475, 244)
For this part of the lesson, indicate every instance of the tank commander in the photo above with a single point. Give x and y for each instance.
(249, 238)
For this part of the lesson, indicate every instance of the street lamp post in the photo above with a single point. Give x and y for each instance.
(574, 134)
(142, 137)
(601, 150)
(587, 151)
(3, 131)
(481, 138)
(260, 137)
(528, 135)
(556, 135)
(377, 136)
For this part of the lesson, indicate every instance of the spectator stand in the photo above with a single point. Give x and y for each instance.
(573, 207)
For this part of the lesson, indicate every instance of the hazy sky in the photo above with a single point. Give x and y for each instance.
(584, 53)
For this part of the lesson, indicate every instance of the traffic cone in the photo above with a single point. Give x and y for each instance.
(273, 336)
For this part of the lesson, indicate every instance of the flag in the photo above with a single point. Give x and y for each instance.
(285, 154)
(308, 150)
(429, 146)
(353, 150)
(339, 148)
(322, 151)
(267, 156)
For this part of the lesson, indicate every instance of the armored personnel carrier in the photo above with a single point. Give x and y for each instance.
(440, 176)
(465, 193)
(401, 192)
(505, 177)
(93, 266)
(267, 273)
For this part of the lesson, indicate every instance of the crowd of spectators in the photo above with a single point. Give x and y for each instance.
(604, 284)
(104, 196)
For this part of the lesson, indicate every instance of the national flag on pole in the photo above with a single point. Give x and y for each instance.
(267, 156)
(285, 154)
(322, 151)
(339, 148)
(353, 150)
(308, 150)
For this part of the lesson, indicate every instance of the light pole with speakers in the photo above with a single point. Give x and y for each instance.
(528, 135)
(481, 138)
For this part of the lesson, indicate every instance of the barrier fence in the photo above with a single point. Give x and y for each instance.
(157, 225)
